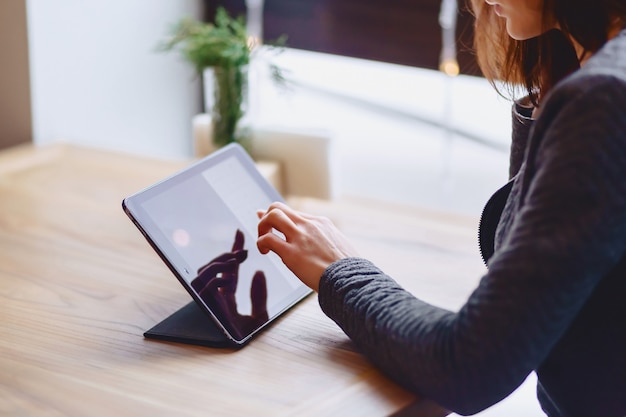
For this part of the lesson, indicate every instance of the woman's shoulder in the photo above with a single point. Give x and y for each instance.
(584, 116)
(610, 60)
(606, 69)
(600, 85)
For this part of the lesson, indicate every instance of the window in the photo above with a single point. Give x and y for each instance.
(405, 32)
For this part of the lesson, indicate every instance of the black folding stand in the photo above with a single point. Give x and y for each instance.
(189, 325)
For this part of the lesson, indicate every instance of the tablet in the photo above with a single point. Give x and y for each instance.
(202, 222)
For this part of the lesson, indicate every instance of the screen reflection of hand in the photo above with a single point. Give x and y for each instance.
(216, 284)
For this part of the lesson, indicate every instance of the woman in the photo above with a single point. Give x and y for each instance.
(553, 299)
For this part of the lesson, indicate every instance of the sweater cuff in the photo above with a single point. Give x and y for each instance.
(335, 277)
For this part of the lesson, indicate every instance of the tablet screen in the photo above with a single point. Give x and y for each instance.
(203, 223)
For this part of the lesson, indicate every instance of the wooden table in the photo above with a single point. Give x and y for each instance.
(79, 285)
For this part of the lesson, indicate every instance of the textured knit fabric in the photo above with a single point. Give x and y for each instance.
(522, 122)
(553, 299)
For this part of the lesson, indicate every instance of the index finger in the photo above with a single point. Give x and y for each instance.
(275, 218)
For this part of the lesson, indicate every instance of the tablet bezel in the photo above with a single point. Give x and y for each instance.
(132, 207)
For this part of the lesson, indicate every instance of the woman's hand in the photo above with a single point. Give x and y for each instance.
(310, 243)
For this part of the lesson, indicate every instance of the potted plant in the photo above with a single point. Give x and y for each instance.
(224, 49)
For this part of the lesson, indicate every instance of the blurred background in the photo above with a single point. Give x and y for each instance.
(363, 73)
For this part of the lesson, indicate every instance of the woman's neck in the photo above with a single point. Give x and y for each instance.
(584, 55)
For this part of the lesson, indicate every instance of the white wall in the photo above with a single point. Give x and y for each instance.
(97, 80)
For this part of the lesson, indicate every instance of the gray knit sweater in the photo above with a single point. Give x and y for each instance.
(553, 299)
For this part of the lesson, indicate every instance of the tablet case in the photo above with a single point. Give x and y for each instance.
(189, 325)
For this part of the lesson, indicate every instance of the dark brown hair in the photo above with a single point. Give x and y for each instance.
(537, 64)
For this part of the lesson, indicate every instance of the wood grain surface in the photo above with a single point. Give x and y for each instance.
(79, 285)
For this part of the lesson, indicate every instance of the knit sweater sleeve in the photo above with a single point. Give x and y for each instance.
(567, 233)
